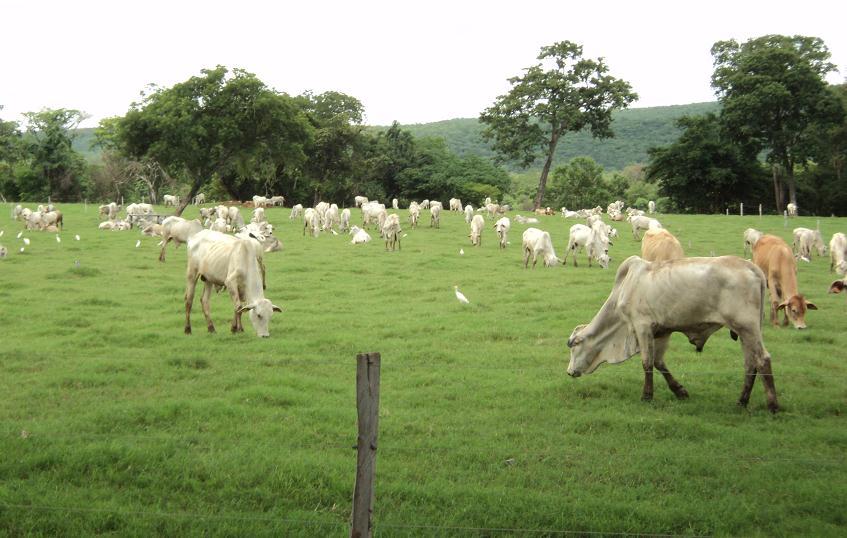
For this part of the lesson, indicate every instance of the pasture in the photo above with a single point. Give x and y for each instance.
(112, 421)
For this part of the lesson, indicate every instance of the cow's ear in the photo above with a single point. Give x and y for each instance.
(276, 308)
(246, 307)
(781, 306)
(811, 306)
(836, 287)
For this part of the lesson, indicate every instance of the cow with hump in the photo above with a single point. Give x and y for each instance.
(775, 259)
(694, 296)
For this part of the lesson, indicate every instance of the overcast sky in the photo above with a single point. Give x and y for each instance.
(413, 62)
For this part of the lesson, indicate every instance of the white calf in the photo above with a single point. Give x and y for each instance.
(537, 242)
(502, 227)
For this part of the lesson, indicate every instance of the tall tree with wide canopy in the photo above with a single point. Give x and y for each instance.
(772, 90)
(564, 93)
(212, 124)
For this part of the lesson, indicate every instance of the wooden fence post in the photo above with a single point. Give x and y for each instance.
(367, 405)
(741, 208)
(760, 210)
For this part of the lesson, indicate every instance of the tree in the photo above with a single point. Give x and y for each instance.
(772, 89)
(218, 123)
(565, 93)
(704, 170)
(578, 184)
(56, 168)
(10, 154)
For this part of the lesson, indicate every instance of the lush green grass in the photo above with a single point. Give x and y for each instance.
(112, 421)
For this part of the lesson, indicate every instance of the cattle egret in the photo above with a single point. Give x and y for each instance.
(76, 237)
(22, 249)
(461, 296)
(58, 239)
(404, 235)
(333, 231)
(20, 234)
(2, 232)
(138, 243)
(461, 252)
(26, 241)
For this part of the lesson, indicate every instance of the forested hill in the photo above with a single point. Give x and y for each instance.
(635, 129)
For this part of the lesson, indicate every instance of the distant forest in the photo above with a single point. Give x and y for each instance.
(636, 130)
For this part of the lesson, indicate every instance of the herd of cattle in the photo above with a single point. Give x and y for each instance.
(653, 295)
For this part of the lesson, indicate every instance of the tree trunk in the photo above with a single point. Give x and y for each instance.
(542, 181)
(777, 188)
(195, 188)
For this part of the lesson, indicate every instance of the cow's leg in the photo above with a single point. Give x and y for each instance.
(205, 300)
(757, 361)
(165, 241)
(190, 285)
(660, 346)
(648, 354)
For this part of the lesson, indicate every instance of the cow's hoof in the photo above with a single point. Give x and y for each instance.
(646, 397)
(187, 330)
(742, 403)
(773, 407)
(211, 328)
(681, 394)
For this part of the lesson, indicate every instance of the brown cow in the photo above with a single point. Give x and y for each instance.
(659, 245)
(775, 259)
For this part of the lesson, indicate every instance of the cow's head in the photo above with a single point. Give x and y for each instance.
(838, 286)
(579, 362)
(606, 339)
(604, 259)
(260, 315)
(795, 308)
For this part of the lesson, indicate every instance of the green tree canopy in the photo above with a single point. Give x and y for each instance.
(564, 93)
(217, 124)
(579, 184)
(56, 169)
(705, 171)
(772, 90)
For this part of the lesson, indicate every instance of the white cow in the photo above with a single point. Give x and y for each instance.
(640, 222)
(259, 215)
(391, 231)
(360, 236)
(359, 200)
(296, 211)
(651, 207)
(312, 222)
(414, 214)
(594, 240)
(178, 230)
(199, 198)
(220, 225)
(455, 204)
(260, 201)
(17, 210)
(395, 204)
(234, 218)
(435, 215)
(277, 201)
(694, 296)
(502, 227)
(838, 253)
(791, 209)
(344, 224)
(170, 200)
(234, 265)
(477, 224)
(331, 217)
(751, 235)
(537, 242)
(468, 213)
(110, 211)
(806, 239)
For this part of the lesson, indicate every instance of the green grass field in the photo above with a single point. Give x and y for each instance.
(114, 422)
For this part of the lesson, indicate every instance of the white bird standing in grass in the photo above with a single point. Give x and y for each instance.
(461, 296)
(20, 234)
(138, 243)
(58, 239)
(26, 241)
(76, 237)
(2, 232)
(461, 252)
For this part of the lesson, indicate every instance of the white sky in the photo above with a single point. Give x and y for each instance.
(413, 62)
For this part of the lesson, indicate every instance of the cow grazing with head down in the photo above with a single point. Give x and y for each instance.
(775, 259)
(694, 296)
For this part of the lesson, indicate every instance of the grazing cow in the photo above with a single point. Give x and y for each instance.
(296, 211)
(537, 242)
(344, 224)
(424, 204)
(640, 222)
(455, 204)
(468, 213)
(331, 217)
(391, 231)
(234, 218)
(804, 240)
(651, 207)
(435, 215)
(259, 215)
(595, 241)
(414, 214)
(694, 296)
(838, 253)
(178, 230)
(395, 204)
(371, 211)
(774, 258)
(751, 235)
(260, 201)
(359, 200)
(52, 218)
(232, 264)
(277, 201)
(312, 222)
(660, 245)
(17, 210)
(791, 209)
(135, 212)
(219, 225)
(477, 224)
(502, 227)
(170, 200)
(199, 198)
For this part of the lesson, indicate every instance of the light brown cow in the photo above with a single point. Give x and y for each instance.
(694, 296)
(659, 245)
(775, 259)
